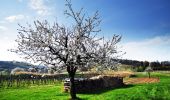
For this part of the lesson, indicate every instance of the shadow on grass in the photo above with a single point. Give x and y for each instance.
(94, 92)
(62, 94)
(99, 91)
(78, 99)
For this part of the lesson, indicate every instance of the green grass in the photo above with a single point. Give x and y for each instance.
(154, 91)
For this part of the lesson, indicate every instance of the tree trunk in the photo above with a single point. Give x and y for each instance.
(72, 89)
(71, 71)
(149, 74)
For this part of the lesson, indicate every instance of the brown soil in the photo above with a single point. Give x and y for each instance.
(120, 73)
(141, 80)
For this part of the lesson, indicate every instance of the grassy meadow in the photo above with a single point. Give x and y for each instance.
(147, 91)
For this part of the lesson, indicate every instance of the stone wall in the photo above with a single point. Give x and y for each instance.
(95, 83)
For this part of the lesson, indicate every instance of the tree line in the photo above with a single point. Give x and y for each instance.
(141, 65)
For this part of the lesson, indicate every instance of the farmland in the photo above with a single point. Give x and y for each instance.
(145, 91)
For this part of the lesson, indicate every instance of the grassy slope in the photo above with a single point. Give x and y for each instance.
(156, 91)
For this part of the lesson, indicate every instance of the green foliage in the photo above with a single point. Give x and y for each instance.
(139, 69)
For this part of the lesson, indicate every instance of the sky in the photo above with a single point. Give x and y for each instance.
(143, 24)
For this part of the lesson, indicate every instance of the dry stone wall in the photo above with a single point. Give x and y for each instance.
(95, 83)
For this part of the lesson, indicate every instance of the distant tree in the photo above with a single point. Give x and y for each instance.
(149, 70)
(165, 65)
(68, 48)
(158, 65)
(162, 64)
(145, 64)
(152, 65)
(141, 63)
(155, 65)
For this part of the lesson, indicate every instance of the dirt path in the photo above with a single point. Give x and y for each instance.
(141, 80)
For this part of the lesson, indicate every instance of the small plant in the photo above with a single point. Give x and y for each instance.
(149, 70)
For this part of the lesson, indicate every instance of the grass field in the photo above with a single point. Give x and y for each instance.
(153, 91)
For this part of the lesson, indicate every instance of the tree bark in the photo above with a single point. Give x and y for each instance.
(72, 88)
(71, 71)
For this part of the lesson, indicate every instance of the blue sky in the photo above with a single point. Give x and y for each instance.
(143, 24)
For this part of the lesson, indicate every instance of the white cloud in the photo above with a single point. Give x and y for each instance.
(153, 49)
(40, 7)
(156, 41)
(2, 22)
(15, 18)
(19, 0)
(5, 55)
(3, 28)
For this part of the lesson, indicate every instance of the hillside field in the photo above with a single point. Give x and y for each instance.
(144, 91)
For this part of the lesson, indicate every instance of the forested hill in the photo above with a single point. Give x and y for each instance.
(142, 63)
(13, 64)
(165, 65)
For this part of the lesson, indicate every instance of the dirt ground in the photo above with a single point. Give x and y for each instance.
(141, 80)
(119, 73)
